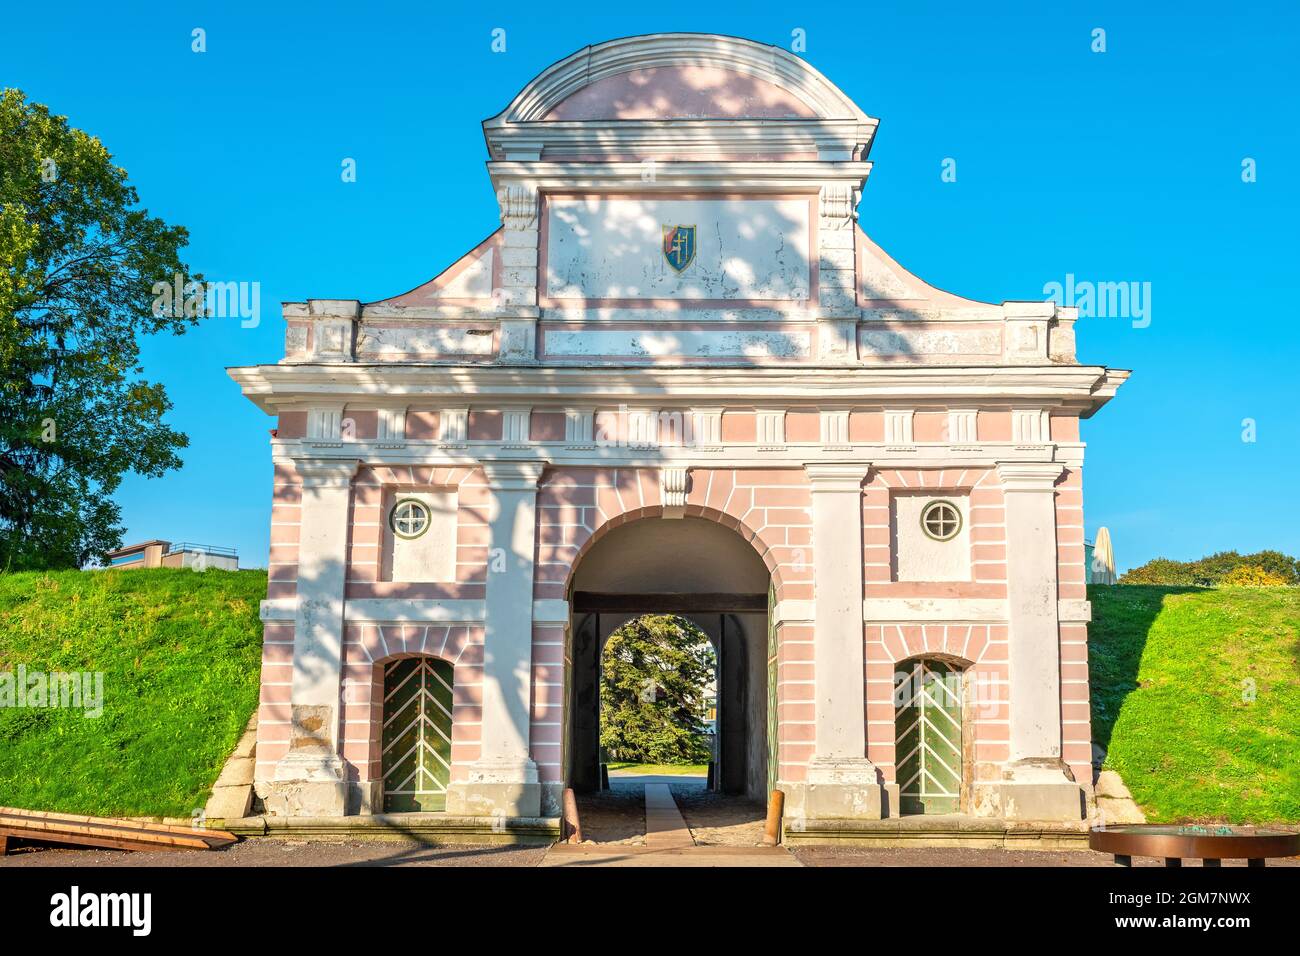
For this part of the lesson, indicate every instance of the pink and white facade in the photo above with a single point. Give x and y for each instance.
(572, 413)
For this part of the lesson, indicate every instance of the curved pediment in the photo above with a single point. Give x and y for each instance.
(679, 76)
(681, 91)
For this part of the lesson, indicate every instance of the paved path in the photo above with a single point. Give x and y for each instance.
(668, 842)
(665, 827)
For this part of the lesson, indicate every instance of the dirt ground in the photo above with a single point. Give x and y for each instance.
(618, 815)
(266, 852)
(944, 856)
(613, 816)
(721, 820)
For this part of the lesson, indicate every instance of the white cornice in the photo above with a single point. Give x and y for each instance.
(694, 140)
(274, 387)
(734, 177)
(795, 456)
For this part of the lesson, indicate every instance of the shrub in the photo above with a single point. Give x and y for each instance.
(1211, 571)
(1252, 576)
(1162, 571)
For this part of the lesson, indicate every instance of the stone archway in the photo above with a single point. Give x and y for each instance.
(707, 573)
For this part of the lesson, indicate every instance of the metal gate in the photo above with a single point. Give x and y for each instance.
(927, 724)
(417, 734)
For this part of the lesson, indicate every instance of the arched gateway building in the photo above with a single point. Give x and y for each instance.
(678, 377)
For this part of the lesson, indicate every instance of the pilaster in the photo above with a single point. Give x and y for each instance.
(1037, 784)
(841, 782)
(504, 781)
(309, 779)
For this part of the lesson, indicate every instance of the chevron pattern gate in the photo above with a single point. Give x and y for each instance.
(417, 734)
(927, 723)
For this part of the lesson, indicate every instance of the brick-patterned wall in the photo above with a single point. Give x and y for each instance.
(981, 649)
(274, 715)
(365, 546)
(367, 648)
(273, 711)
(771, 509)
(546, 707)
(286, 516)
(1076, 722)
(988, 532)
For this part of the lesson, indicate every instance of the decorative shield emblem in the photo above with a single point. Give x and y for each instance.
(679, 246)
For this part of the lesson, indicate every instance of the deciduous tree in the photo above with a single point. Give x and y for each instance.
(78, 263)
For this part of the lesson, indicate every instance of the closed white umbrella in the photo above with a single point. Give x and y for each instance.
(1103, 559)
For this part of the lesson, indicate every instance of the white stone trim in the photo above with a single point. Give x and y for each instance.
(838, 648)
(325, 423)
(386, 611)
(672, 489)
(834, 428)
(453, 426)
(962, 428)
(1075, 611)
(898, 426)
(274, 610)
(738, 455)
(661, 342)
(391, 424)
(413, 611)
(515, 425)
(934, 610)
(706, 426)
(550, 611)
(1029, 475)
(769, 428)
(1030, 426)
(643, 427)
(580, 427)
(792, 611)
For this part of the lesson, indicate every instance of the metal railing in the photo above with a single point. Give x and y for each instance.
(213, 549)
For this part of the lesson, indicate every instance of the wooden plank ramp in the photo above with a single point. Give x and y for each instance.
(40, 826)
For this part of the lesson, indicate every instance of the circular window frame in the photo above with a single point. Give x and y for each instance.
(392, 518)
(925, 528)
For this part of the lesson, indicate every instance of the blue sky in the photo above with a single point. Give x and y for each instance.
(1115, 166)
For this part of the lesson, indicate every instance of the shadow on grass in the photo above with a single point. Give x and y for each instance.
(1121, 621)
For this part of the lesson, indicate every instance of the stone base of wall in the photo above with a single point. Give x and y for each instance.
(1034, 790)
(431, 828)
(938, 831)
(839, 801)
(483, 799)
(308, 782)
(1042, 801)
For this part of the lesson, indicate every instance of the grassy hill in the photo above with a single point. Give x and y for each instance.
(1196, 695)
(180, 656)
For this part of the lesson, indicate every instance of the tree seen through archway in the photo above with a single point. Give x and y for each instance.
(657, 692)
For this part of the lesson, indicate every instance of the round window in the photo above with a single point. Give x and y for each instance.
(409, 518)
(941, 520)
